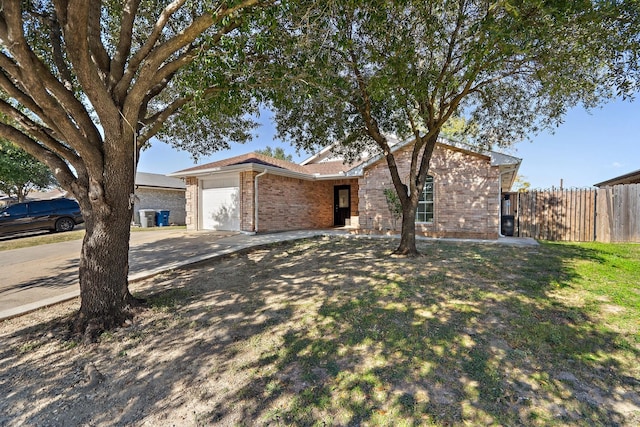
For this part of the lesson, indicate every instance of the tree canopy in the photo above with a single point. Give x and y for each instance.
(360, 70)
(21, 173)
(277, 153)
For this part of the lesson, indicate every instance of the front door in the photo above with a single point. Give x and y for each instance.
(341, 204)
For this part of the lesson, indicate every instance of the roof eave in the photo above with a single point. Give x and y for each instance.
(273, 170)
(613, 181)
(317, 155)
(220, 169)
(160, 187)
(513, 171)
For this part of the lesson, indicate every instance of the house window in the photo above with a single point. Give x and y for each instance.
(424, 212)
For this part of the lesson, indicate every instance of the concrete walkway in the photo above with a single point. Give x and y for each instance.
(56, 265)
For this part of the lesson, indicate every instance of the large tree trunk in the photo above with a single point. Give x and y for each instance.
(409, 195)
(407, 245)
(104, 268)
(104, 261)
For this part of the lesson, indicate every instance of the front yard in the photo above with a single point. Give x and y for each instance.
(335, 331)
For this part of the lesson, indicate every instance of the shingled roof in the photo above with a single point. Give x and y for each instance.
(255, 158)
(329, 168)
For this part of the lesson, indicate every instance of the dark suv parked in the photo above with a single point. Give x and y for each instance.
(54, 215)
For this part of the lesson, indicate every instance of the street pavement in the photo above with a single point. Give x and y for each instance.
(39, 276)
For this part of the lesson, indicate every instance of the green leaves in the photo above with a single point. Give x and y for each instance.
(20, 173)
(427, 61)
(277, 153)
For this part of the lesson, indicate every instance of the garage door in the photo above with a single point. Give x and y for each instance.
(220, 209)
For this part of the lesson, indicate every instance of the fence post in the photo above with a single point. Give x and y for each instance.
(595, 215)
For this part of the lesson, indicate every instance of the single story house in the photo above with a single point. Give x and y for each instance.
(627, 178)
(257, 193)
(160, 192)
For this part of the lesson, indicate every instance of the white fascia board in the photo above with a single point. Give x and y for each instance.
(213, 171)
(317, 155)
(501, 159)
(291, 174)
(335, 176)
(151, 187)
(512, 172)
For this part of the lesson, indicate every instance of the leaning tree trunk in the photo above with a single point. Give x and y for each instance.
(408, 237)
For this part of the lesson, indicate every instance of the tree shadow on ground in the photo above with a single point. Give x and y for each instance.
(66, 275)
(337, 331)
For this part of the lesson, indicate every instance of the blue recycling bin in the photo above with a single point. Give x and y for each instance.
(162, 218)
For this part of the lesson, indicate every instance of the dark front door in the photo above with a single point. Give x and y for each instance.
(341, 204)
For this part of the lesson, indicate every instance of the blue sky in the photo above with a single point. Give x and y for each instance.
(589, 147)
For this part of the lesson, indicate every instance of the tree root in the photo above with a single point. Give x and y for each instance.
(87, 327)
(406, 253)
(94, 377)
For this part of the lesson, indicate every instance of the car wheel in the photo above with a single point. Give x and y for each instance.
(65, 224)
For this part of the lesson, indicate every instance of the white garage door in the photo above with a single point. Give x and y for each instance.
(221, 209)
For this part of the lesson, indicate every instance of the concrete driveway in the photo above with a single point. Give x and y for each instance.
(39, 273)
(43, 275)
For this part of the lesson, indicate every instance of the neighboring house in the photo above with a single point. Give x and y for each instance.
(5, 200)
(160, 192)
(153, 191)
(256, 193)
(628, 178)
(54, 193)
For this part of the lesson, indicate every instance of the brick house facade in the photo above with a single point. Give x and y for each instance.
(263, 194)
(466, 192)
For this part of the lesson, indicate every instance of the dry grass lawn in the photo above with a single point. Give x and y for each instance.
(335, 331)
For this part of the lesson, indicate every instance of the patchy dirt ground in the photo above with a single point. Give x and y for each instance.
(332, 332)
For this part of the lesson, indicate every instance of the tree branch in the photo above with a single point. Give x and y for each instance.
(157, 120)
(45, 135)
(76, 31)
(128, 75)
(59, 167)
(123, 49)
(58, 55)
(44, 88)
(102, 59)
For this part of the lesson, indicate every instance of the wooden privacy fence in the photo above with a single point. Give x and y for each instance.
(609, 214)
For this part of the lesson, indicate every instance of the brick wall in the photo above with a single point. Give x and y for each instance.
(247, 200)
(466, 195)
(191, 200)
(171, 200)
(286, 203)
